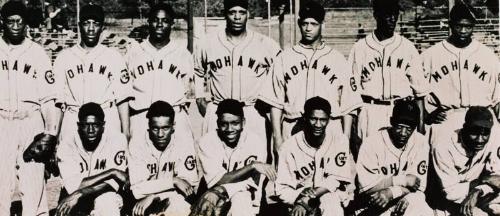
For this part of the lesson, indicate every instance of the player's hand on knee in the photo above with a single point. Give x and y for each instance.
(491, 180)
(400, 207)
(308, 192)
(183, 186)
(299, 210)
(412, 182)
(67, 204)
(265, 169)
(469, 203)
(141, 206)
(381, 198)
(436, 117)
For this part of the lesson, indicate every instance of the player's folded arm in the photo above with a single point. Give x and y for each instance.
(150, 187)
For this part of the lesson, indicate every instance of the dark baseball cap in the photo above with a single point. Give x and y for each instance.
(461, 11)
(312, 9)
(386, 6)
(228, 4)
(405, 112)
(13, 8)
(230, 106)
(92, 11)
(478, 116)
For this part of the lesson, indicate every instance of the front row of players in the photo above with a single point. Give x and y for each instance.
(316, 173)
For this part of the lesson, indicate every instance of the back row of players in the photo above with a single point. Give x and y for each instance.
(437, 87)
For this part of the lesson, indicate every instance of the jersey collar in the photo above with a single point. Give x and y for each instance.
(222, 37)
(311, 151)
(167, 49)
(465, 52)
(78, 143)
(372, 42)
(8, 49)
(398, 152)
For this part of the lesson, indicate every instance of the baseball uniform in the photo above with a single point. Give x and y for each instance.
(217, 159)
(385, 71)
(456, 170)
(301, 166)
(26, 83)
(97, 75)
(300, 73)
(233, 71)
(460, 78)
(152, 171)
(160, 74)
(76, 163)
(379, 159)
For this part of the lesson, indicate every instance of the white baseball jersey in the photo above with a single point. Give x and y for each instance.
(162, 74)
(26, 82)
(300, 73)
(76, 163)
(462, 77)
(456, 170)
(235, 71)
(378, 159)
(301, 166)
(388, 69)
(217, 159)
(152, 171)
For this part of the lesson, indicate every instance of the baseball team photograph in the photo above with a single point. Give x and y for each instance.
(249, 108)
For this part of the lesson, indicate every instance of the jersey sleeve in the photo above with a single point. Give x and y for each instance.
(60, 80)
(187, 169)
(188, 68)
(142, 182)
(355, 69)
(367, 167)
(121, 80)
(210, 165)
(350, 98)
(339, 167)
(69, 166)
(286, 183)
(419, 164)
(496, 80)
(45, 77)
(416, 75)
(273, 91)
(442, 159)
(200, 69)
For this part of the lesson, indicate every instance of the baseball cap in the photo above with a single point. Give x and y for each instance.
(317, 103)
(92, 11)
(386, 6)
(162, 6)
(89, 109)
(13, 8)
(478, 116)
(230, 106)
(228, 4)
(312, 9)
(160, 108)
(405, 112)
(461, 11)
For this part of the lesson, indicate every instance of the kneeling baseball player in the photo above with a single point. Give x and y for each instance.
(315, 166)
(232, 163)
(392, 167)
(92, 164)
(162, 165)
(467, 162)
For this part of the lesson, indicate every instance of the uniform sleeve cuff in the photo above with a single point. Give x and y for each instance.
(113, 184)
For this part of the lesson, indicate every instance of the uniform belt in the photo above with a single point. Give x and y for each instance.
(245, 102)
(15, 114)
(74, 108)
(177, 108)
(371, 100)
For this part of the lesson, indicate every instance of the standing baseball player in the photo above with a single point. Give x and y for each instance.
(232, 161)
(392, 167)
(387, 67)
(27, 108)
(235, 62)
(162, 164)
(315, 166)
(467, 164)
(92, 164)
(91, 72)
(462, 73)
(160, 70)
(310, 68)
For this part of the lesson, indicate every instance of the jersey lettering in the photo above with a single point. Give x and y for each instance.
(100, 164)
(377, 63)
(153, 168)
(453, 66)
(26, 68)
(305, 171)
(90, 69)
(168, 166)
(340, 159)
(251, 63)
(422, 167)
(49, 77)
(190, 162)
(392, 169)
(120, 158)
(84, 167)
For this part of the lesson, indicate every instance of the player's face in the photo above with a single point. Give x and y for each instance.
(160, 131)
(400, 133)
(316, 122)
(461, 31)
(476, 138)
(160, 26)
(230, 128)
(386, 21)
(90, 131)
(14, 27)
(236, 19)
(310, 30)
(91, 31)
